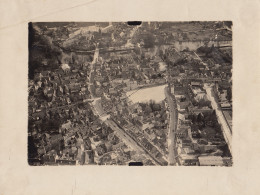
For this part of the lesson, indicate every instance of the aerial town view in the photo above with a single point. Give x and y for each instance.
(120, 93)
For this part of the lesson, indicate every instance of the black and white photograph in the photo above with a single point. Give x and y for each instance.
(129, 97)
(134, 93)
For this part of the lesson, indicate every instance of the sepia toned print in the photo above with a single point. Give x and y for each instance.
(130, 93)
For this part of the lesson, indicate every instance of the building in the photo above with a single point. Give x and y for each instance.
(188, 160)
(210, 161)
(197, 84)
(225, 106)
(228, 118)
(89, 157)
(65, 162)
(182, 132)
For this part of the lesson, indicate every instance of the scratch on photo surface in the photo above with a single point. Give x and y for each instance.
(48, 14)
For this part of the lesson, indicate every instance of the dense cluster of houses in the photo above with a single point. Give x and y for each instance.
(64, 130)
(200, 140)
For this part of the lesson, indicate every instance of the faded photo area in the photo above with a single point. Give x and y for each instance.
(130, 93)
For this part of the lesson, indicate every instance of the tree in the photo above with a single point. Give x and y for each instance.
(203, 103)
(41, 47)
(147, 109)
(137, 50)
(149, 40)
(185, 36)
(161, 54)
(200, 119)
(229, 94)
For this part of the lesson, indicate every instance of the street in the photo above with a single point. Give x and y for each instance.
(172, 127)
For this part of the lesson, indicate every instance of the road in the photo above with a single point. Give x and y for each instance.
(95, 59)
(221, 119)
(172, 126)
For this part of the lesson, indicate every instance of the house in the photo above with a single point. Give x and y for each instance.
(147, 125)
(228, 117)
(80, 156)
(210, 161)
(65, 162)
(186, 143)
(179, 91)
(121, 34)
(225, 105)
(151, 136)
(195, 84)
(101, 149)
(89, 157)
(201, 110)
(187, 159)
(188, 150)
(227, 161)
(207, 148)
(49, 159)
(182, 132)
(182, 105)
(112, 91)
(178, 96)
(65, 67)
(39, 113)
(56, 138)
